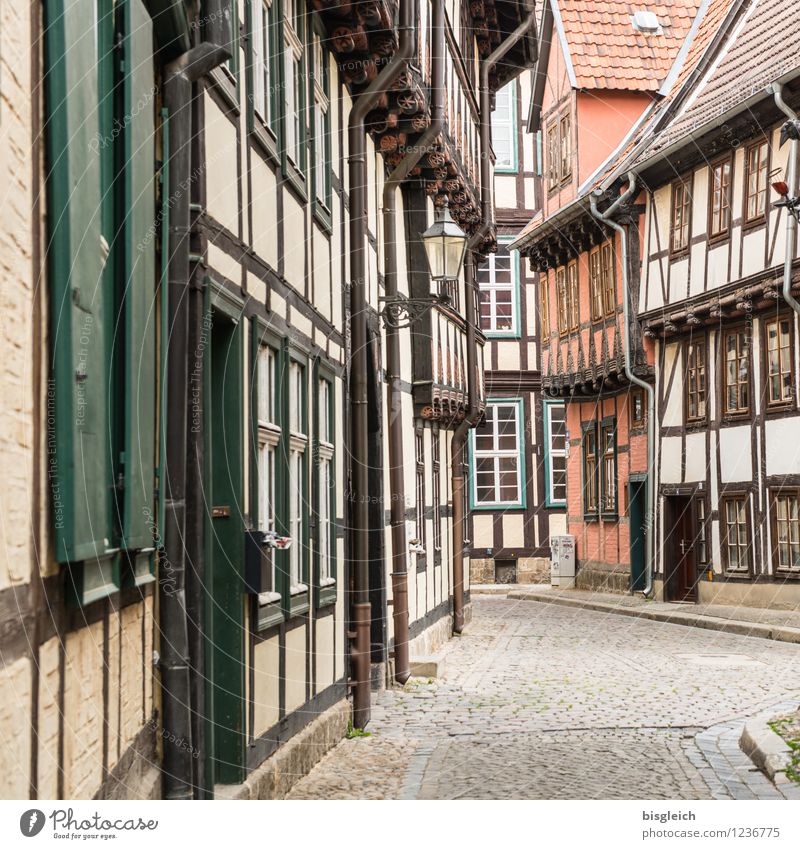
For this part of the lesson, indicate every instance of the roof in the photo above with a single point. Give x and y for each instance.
(752, 58)
(606, 51)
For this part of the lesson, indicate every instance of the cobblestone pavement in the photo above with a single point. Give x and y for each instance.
(545, 701)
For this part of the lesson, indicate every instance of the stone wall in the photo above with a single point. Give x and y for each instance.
(525, 570)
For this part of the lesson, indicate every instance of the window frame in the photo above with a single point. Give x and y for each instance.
(726, 196)
(763, 166)
(726, 498)
(776, 493)
(325, 588)
(513, 167)
(702, 525)
(553, 154)
(608, 425)
(322, 203)
(294, 41)
(684, 185)
(266, 132)
(547, 406)
(701, 346)
(596, 284)
(608, 276)
(436, 486)
(561, 300)
(782, 404)
(559, 150)
(739, 412)
(591, 512)
(490, 268)
(573, 296)
(420, 491)
(474, 454)
(544, 305)
(565, 146)
(637, 424)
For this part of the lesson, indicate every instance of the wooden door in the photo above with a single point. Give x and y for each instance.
(680, 536)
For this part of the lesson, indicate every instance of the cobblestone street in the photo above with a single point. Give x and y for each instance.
(542, 701)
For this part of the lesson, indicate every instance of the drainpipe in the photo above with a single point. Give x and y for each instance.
(606, 217)
(174, 665)
(791, 221)
(357, 178)
(394, 396)
(459, 439)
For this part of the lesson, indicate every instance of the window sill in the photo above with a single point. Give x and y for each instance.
(591, 517)
(294, 178)
(782, 407)
(265, 141)
(268, 615)
(323, 218)
(610, 517)
(501, 506)
(298, 602)
(719, 238)
(227, 86)
(735, 418)
(753, 223)
(502, 334)
(326, 595)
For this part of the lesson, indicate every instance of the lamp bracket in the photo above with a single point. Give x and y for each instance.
(399, 312)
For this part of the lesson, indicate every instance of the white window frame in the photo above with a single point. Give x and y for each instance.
(326, 497)
(298, 477)
(263, 62)
(487, 282)
(497, 454)
(504, 120)
(322, 124)
(552, 451)
(292, 98)
(269, 436)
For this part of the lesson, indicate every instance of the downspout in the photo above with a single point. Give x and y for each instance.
(359, 495)
(394, 396)
(459, 439)
(174, 665)
(791, 221)
(606, 217)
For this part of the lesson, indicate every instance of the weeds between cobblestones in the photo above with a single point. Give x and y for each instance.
(788, 727)
(545, 701)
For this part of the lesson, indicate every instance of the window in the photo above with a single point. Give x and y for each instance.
(735, 532)
(736, 375)
(590, 500)
(608, 445)
(553, 155)
(264, 70)
(696, 380)
(701, 542)
(544, 306)
(720, 202)
(497, 478)
(638, 409)
(555, 437)
(269, 435)
(98, 67)
(504, 129)
(780, 377)
(293, 86)
(756, 181)
(596, 285)
(681, 216)
(498, 285)
(326, 493)
(322, 126)
(609, 285)
(298, 442)
(573, 300)
(786, 530)
(566, 147)
(561, 300)
(559, 150)
(419, 456)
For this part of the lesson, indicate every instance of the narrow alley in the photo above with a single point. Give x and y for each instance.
(540, 701)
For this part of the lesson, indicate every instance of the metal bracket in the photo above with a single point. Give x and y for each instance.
(400, 311)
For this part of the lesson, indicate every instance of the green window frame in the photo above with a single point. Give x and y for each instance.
(555, 453)
(226, 77)
(324, 504)
(296, 451)
(293, 83)
(504, 130)
(99, 135)
(607, 454)
(499, 293)
(591, 470)
(320, 97)
(263, 75)
(497, 457)
(267, 471)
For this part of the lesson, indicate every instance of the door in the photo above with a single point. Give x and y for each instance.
(637, 511)
(225, 547)
(679, 537)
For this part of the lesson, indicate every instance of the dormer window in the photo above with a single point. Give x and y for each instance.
(559, 150)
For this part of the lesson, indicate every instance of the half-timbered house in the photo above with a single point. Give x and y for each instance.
(600, 73)
(517, 453)
(712, 298)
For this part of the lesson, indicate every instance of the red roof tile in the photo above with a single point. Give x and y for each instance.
(608, 52)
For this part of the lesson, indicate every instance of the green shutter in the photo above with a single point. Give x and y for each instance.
(138, 235)
(79, 462)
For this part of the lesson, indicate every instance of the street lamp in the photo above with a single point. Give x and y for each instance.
(445, 245)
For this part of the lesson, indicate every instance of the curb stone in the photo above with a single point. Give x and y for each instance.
(766, 749)
(782, 634)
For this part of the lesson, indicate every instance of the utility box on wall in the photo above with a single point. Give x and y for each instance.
(562, 562)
